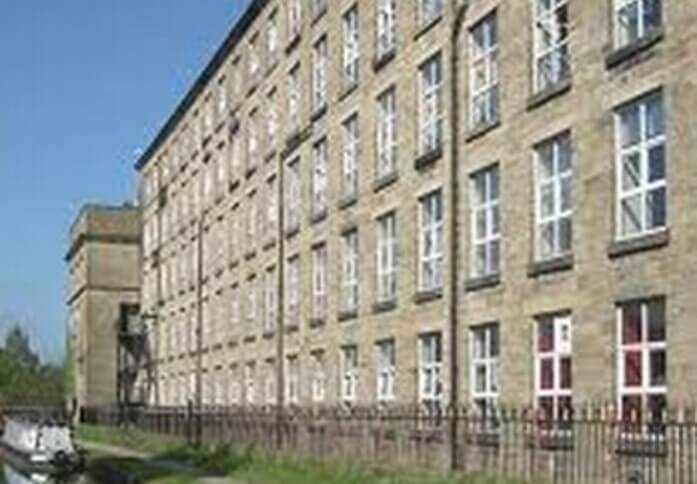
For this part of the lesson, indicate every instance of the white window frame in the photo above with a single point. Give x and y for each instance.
(293, 195)
(295, 13)
(252, 219)
(319, 376)
(271, 208)
(387, 254)
(559, 186)
(272, 43)
(249, 383)
(386, 27)
(562, 325)
(430, 374)
(351, 49)
(252, 310)
(270, 300)
(320, 177)
(271, 117)
(387, 133)
(319, 281)
(431, 105)
(429, 11)
(270, 382)
(621, 38)
(350, 271)
(484, 99)
(553, 55)
(431, 235)
(294, 99)
(489, 208)
(293, 292)
(320, 61)
(252, 141)
(292, 379)
(349, 374)
(351, 156)
(642, 148)
(385, 353)
(645, 347)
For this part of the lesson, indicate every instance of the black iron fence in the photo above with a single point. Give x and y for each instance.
(591, 445)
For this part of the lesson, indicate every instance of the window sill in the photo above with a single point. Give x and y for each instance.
(254, 81)
(427, 25)
(250, 171)
(482, 129)
(270, 155)
(317, 322)
(251, 338)
(639, 244)
(625, 53)
(295, 139)
(234, 263)
(292, 231)
(424, 296)
(292, 328)
(317, 16)
(385, 181)
(384, 306)
(549, 266)
(348, 315)
(234, 184)
(319, 112)
(348, 90)
(272, 65)
(483, 282)
(381, 60)
(293, 42)
(250, 254)
(268, 334)
(318, 216)
(347, 202)
(269, 244)
(547, 94)
(429, 158)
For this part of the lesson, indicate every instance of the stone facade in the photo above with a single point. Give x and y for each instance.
(103, 264)
(225, 241)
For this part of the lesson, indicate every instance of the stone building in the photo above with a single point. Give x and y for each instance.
(432, 202)
(103, 287)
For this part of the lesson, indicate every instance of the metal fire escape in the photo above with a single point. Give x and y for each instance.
(135, 377)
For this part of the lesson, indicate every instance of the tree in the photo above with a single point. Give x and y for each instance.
(17, 346)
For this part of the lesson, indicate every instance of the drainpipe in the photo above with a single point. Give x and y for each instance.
(459, 9)
(199, 328)
(280, 303)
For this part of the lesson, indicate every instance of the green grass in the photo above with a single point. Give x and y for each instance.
(246, 467)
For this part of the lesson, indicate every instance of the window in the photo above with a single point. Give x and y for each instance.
(253, 141)
(293, 380)
(272, 37)
(635, 19)
(485, 222)
(429, 10)
(235, 158)
(270, 383)
(641, 166)
(551, 43)
(642, 360)
(319, 377)
(387, 257)
(349, 185)
(254, 64)
(234, 386)
(319, 178)
(385, 371)
(252, 220)
(235, 317)
(293, 292)
(294, 99)
(554, 197)
(293, 194)
(318, 7)
(251, 304)
(349, 374)
(234, 230)
(387, 133)
(351, 47)
(430, 106)
(294, 18)
(349, 272)
(430, 366)
(271, 118)
(249, 377)
(431, 242)
(319, 74)
(319, 282)
(271, 225)
(553, 370)
(484, 78)
(387, 27)
(484, 369)
(270, 300)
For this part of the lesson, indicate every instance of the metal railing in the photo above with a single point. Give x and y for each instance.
(592, 445)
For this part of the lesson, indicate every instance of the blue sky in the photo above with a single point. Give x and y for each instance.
(84, 84)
